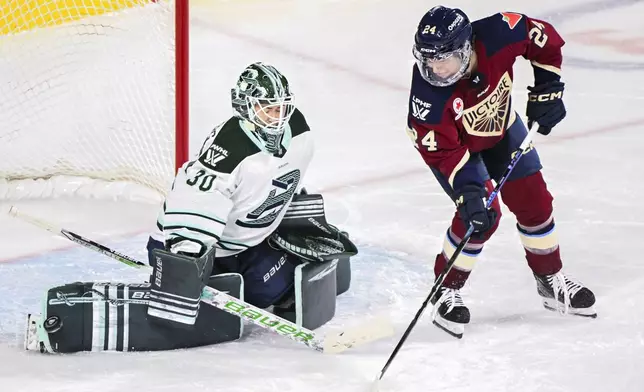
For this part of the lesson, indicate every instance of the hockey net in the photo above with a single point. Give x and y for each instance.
(92, 93)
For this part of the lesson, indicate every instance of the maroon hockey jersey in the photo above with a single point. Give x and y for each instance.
(446, 124)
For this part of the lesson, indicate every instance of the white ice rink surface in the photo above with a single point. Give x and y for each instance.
(349, 63)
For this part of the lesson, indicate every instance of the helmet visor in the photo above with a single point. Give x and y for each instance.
(443, 69)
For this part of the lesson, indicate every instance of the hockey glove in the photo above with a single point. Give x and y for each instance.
(545, 105)
(305, 233)
(185, 246)
(470, 202)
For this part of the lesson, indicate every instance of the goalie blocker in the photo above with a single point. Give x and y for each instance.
(141, 317)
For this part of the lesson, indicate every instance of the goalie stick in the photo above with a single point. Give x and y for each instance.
(331, 343)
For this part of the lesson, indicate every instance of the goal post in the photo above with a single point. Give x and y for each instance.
(92, 92)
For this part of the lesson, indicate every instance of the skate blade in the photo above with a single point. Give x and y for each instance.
(452, 328)
(551, 305)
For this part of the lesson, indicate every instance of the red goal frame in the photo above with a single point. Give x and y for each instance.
(182, 88)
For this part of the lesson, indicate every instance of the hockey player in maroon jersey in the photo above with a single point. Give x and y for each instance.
(462, 123)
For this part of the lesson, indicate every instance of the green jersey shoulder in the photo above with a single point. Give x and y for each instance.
(232, 142)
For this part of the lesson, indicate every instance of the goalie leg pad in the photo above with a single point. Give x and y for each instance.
(113, 317)
(343, 275)
(315, 290)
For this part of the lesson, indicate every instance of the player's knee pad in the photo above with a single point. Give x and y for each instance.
(113, 317)
(313, 299)
(529, 199)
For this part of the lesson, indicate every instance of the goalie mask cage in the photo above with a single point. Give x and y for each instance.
(92, 92)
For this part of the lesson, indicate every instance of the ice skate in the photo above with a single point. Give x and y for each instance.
(36, 338)
(450, 313)
(572, 296)
(31, 335)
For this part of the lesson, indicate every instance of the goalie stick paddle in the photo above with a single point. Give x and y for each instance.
(523, 148)
(331, 343)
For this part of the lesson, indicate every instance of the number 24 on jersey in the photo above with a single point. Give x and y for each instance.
(428, 141)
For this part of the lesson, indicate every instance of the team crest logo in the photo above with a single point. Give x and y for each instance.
(511, 18)
(278, 198)
(457, 105)
(489, 117)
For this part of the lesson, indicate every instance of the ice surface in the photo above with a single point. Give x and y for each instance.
(349, 64)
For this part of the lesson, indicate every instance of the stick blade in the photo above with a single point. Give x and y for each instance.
(371, 331)
(375, 385)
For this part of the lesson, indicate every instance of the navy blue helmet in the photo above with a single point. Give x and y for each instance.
(443, 45)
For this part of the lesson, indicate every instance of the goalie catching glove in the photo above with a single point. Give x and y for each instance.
(305, 233)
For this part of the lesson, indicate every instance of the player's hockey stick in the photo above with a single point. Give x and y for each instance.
(331, 343)
(523, 148)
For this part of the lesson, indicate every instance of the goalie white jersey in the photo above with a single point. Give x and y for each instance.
(235, 194)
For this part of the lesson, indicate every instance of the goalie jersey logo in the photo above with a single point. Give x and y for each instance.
(275, 203)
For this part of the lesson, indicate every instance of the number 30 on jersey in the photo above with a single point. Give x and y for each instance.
(428, 141)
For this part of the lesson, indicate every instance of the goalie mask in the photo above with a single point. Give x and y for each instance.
(263, 97)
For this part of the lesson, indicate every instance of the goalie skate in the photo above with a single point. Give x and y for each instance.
(36, 338)
(572, 296)
(450, 313)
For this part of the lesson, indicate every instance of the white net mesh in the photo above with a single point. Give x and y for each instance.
(86, 90)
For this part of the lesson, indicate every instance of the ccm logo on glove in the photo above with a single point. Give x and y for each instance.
(545, 97)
